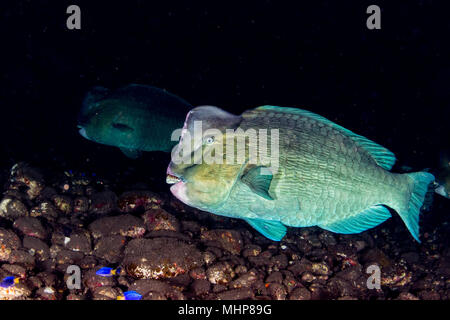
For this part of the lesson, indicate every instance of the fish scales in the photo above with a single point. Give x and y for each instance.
(307, 158)
(327, 176)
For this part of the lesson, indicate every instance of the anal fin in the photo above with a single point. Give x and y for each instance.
(369, 218)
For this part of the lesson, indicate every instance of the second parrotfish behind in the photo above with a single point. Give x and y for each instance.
(134, 118)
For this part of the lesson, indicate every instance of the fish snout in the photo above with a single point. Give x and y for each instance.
(83, 133)
(173, 177)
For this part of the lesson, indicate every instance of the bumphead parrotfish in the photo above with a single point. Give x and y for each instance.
(324, 175)
(134, 118)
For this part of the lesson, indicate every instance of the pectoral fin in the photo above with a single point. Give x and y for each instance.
(131, 153)
(259, 179)
(274, 230)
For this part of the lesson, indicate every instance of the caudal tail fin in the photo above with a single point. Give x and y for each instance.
(410, 213)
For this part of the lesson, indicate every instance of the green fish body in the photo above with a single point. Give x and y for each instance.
(134, 118)
(328, 176)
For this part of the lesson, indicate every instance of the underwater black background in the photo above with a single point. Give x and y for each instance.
(390, 85)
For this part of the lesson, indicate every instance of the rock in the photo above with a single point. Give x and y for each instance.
(34, 282)
(23, 258)
(106, 293)
(79, 241)
(92, 280)
(48, 279)
(327, 239)
(300, 294)
(360, 245)
(198, 273)
(240, 269)
(429, 295)
(376, 256)
(20, 291)
(30, 226)
(190, 226)
(159, 219)
(200, 287)
(275, 277)
(245, 280)
(68, 257)
(289, 281)
(339, 287)
(22, 175)
(308, 277)
(110, 248)
(318, 292)
(229, 240)
(125, 225)
(46, 293)
(160, 258)
(103, 202)
(88, 262)
(75, 296)
(181, 282)
(350, 273)
(63, 203)
(146, 286)
(218, 288)
(320, 268)
(45, 209)
(263, 259)
(80, 204)
(280, 261)
(9, 241)
(406, 296)
(15, 270)
(134, 200)
(251, 251)
(220, 273)
(298, 267)
(209, 257)
(304, 246)
(277, 291)
(37, 247)
(236, 294)
(12, 208)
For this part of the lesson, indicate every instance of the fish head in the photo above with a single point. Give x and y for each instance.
(107, 122)
(199, 171)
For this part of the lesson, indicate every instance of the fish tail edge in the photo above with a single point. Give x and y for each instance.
(420, 182)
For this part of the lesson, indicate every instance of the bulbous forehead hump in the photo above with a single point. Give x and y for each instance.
(211, 117)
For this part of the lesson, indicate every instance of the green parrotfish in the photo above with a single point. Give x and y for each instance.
(134, 118)
(327, 176)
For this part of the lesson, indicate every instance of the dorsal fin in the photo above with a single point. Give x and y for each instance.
(382, 156)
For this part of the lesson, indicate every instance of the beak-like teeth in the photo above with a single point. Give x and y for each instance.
(170, 179)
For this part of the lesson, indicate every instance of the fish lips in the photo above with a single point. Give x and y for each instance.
(172, 179)
(179, 187)
(179, 190)
(83, 133)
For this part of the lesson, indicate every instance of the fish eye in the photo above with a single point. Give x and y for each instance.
(209, 140)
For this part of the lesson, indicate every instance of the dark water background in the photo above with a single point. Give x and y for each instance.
(390, 85)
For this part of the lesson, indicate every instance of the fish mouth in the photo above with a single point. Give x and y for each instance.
(172, 179)
(82, 132)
